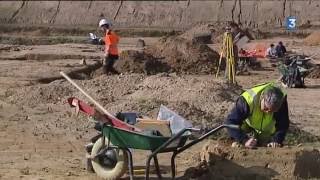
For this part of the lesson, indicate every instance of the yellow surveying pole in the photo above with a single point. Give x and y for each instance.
(228, 53)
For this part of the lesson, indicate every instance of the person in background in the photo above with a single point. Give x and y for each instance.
(280, 49)
(271, 51)
(111, 41)
(263, 112)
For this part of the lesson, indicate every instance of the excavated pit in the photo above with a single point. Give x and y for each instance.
(42, 64)
(80, 73)
(220, 161)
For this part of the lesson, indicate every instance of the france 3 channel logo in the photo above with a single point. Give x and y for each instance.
(291, 23)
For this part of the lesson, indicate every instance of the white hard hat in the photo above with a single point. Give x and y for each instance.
(103, 22)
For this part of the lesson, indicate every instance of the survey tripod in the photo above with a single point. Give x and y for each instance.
(228, 52)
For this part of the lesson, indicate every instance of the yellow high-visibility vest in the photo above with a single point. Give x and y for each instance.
(262, 122)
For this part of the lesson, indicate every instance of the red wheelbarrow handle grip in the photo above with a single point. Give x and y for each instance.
(104, 118)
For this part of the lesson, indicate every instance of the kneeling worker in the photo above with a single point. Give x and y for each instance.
(263, 112)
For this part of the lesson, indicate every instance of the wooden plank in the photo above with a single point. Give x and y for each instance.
(160, 125)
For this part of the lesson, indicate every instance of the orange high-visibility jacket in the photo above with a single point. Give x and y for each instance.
(111, 43)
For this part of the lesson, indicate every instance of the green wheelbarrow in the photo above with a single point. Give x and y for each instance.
(111, 156)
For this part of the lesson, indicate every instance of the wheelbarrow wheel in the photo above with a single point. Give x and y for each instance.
(109, 168)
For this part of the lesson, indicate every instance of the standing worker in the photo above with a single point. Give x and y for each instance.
(263, 112)
(111, 41)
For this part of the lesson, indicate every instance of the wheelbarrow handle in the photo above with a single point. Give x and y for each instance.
(206, 135)
(232, 126)
(194, 129)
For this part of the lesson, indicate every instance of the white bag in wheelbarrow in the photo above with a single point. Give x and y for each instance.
(177, 123)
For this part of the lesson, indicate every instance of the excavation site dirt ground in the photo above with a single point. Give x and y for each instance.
(41, 138)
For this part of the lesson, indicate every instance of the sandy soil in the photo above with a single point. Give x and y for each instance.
(40, 138)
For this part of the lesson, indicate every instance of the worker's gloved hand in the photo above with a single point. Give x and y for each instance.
(251, 143)
(273, 145)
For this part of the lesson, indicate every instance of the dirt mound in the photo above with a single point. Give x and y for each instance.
(34, 95)
(213, 32)
(198, 99)
(223, 162)
(170, 54)
(201, 33)
(186, 56)
(208, 33)
(217, 31)
(315, 73)
(202, 100)
(140, 62)
(313, 39)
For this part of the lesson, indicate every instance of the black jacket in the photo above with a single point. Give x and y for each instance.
(280, 50)
(241, 112)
